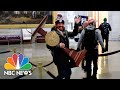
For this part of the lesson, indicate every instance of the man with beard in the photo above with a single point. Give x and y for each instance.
(60, 58)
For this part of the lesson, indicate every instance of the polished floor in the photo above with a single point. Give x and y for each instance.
(108, 67)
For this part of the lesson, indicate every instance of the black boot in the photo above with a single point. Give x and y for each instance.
(94, 76)
(88, 75)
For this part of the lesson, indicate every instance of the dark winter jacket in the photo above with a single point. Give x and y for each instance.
(59, 56)
(105, 28)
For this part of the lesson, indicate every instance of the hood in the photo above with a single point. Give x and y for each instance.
(90, 27)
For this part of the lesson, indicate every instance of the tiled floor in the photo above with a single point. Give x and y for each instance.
(109, 67)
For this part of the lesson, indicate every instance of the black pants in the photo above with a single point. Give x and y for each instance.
(83, 65)
(64, 71)
(106, 39)
(91, 56)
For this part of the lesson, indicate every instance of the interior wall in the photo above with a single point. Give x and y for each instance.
(114, 20)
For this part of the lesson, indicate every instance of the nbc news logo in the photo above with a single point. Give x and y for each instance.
(17, 65)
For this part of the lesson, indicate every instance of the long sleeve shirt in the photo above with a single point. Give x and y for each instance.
(98, 37)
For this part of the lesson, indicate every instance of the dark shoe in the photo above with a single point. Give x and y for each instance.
(84, 78)
(93, 77)
(106, 50)
(87, 78)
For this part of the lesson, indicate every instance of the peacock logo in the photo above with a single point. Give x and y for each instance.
(17, 62)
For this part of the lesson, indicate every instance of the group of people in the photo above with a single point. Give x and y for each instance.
(89, 38)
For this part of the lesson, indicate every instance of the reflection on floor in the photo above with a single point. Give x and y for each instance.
(108, 67)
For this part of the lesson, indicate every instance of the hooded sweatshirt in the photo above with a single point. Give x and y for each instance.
(98, 36)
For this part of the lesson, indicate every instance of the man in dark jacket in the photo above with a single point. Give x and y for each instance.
(105, 28)
(60, 58)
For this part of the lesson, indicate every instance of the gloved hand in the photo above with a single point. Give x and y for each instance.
(103, 50)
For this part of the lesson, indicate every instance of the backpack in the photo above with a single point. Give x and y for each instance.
(89, 40)
(105, 28)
